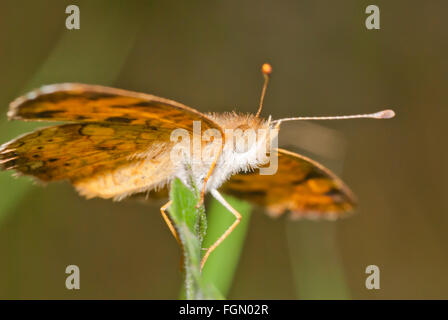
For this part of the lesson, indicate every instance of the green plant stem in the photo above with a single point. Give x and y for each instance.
(190, 223)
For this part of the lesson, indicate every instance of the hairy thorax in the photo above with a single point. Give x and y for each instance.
(245, 142)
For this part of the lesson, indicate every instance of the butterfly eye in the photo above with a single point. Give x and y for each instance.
(243, 127)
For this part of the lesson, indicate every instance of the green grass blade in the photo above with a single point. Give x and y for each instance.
(317, 267)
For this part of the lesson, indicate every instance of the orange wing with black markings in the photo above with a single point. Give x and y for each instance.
(302, 186)
(77, 102)
(78, 150)
(115, 136)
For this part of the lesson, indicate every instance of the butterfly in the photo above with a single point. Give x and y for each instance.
(117, 143)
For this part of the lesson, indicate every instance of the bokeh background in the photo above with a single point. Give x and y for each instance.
(207, 54)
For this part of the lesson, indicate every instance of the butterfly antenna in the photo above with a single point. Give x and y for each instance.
(384, 114)
(266, 69)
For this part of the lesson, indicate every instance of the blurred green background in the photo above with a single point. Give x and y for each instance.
(207, 54)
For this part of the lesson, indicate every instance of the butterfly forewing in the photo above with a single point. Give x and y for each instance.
(302, 186)
(92, 103)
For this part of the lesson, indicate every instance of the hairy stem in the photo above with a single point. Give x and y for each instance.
(191, 225)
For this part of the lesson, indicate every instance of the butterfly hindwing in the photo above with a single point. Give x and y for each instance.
(302, 186)
(79, 150)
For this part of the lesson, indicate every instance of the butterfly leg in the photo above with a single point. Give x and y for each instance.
(210, 171)
(229, 230)
(168, 220)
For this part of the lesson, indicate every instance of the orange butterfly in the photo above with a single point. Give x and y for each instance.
(117, 143)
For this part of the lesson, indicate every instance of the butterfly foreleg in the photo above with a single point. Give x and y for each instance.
(210, 172)
(168, 221)
(229, 230)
